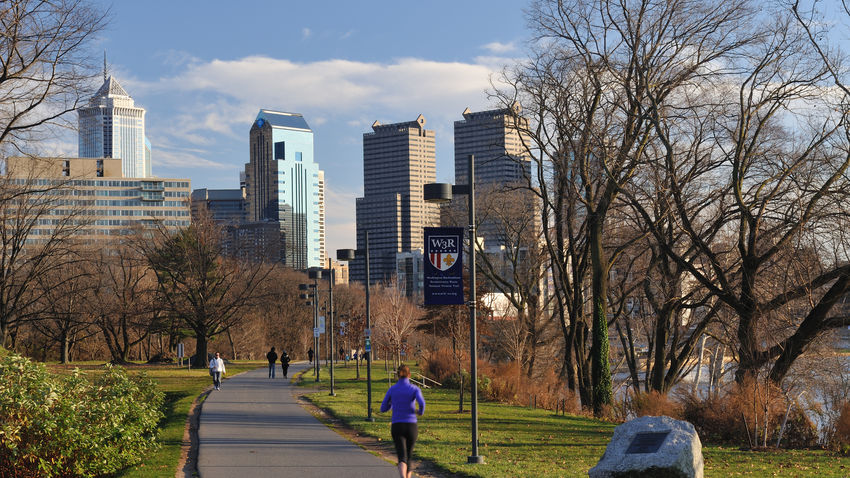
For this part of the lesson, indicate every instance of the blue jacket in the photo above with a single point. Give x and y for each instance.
(400, 398)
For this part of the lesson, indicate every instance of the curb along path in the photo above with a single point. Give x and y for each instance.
(253, 427)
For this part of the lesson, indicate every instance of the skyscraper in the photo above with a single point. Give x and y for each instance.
(282, 185)
(501, 160)
(111, 126)
(398, 159)
(322, 251)
(492, 137)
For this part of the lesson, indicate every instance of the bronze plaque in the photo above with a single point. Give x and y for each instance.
(647, 442)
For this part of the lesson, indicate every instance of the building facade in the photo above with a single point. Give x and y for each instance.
(282, 185)
(493, 137)
(398, 160)
(112, 126)
(108, 204)
(225, 206)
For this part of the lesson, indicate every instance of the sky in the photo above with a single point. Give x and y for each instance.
(203, 70)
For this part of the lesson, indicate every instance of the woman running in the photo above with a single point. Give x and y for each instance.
(400, 398)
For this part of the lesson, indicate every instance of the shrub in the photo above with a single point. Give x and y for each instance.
(71, 426)
(738, 417)
(439, 365)
(841, 438)
(652, 403)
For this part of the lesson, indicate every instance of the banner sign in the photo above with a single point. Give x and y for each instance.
(321, 324)
(443, 270)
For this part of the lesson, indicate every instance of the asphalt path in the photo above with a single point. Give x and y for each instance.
(253, 427)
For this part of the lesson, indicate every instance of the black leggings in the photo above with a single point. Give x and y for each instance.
(404, 437)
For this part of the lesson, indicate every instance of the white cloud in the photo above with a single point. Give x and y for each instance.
(331, 87)
(306, 33)
(499, 47)
(172, 158)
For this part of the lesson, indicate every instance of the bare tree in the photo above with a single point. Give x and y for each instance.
(124, 299)
(30, 252)
(757, 198)
(65, 305)
(396, 317)
(205, 291)
(587, 91)
(44, 64)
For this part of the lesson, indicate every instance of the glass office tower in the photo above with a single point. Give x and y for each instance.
(282, 183)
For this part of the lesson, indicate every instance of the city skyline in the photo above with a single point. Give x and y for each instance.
(202, 82)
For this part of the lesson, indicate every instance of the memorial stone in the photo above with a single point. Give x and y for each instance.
(657, 447)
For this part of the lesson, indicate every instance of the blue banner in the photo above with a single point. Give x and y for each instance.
(443, 270)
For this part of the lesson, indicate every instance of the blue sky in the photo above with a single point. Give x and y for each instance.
(202, 70)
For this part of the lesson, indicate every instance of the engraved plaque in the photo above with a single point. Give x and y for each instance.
(647, 442)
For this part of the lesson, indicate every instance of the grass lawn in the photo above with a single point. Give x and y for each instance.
(521, 442)
(180, 386)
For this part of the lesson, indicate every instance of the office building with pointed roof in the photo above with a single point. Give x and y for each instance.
(398, 160)
(112, 126)
(283, 185)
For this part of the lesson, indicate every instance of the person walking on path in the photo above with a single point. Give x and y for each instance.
(400, 398)
(284, 363)
(217, 370)
(272, 357)
(310, 354)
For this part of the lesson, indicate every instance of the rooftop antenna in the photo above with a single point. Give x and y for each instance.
(104, 66)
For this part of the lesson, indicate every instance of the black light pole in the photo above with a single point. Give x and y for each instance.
(316, 274)
(441, 192)
(330, 331)
(314, 301)
(349, 255)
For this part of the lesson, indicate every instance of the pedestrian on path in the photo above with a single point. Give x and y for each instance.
(400, 398)
(310, 354)
(272, 357)
(284, 363)
(217, 370)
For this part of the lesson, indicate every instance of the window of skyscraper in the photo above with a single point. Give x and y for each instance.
(280, 150)
(298, 156)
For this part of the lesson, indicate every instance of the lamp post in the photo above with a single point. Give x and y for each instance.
(349, 255)
(314, 301)
(330, 326)
(442, 192)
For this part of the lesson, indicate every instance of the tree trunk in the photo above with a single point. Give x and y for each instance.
(699, 366)
(232, 346)
(662, 326)
(460, 395)
(65, 345)
(200, 348)
(600, 366)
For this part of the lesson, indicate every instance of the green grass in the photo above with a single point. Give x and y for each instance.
(181, 387)
(521, 442)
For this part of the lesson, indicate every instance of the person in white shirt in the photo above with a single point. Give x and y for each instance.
(217, 370)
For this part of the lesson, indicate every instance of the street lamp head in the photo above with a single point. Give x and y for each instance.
(305, 296)
(345, 254)
(315, 273)
(437, 192)
(304, 286)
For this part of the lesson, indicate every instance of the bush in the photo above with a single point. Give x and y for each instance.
(841, 438)
(440, 365)
(653, 403)
(54, 425)
(738, 417)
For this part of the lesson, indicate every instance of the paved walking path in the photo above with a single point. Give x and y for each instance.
(253, 427)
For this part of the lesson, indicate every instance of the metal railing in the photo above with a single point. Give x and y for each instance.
(423, 381)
